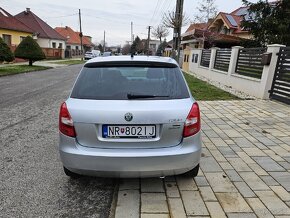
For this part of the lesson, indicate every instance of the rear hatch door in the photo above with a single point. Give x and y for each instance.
(163, 118)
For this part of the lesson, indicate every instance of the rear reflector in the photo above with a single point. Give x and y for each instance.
(66, 125)
(192, 122)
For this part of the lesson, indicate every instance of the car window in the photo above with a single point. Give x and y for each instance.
(107, 54)
(119, 83)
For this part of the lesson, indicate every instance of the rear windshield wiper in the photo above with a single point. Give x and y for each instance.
(135, 96)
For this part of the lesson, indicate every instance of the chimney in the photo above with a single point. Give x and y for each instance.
(27, 10)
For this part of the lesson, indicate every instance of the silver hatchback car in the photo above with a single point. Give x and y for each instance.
(130, 117)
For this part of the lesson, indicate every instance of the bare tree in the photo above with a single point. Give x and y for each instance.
(206, 10)
(170, 21)
(160, 32)
(126, 49)
(175, 21)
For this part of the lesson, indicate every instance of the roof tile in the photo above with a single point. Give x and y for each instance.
(7, 21)
(38, 26)
(72, 36)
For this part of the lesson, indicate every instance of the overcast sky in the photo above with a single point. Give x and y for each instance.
(113, 16)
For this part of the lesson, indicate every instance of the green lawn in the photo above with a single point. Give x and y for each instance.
(69, 62)
(15, 69)
(203, 91)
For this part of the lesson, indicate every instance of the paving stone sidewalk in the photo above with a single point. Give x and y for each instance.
(245, 168)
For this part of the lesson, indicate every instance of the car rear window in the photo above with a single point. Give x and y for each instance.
(122, 83)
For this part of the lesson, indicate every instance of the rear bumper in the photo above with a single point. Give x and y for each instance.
(130, 162)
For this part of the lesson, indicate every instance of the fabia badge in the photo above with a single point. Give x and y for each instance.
(128, 117)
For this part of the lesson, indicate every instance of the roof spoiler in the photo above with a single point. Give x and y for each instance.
(130, 64)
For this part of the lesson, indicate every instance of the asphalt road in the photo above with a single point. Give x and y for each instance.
(32, 182)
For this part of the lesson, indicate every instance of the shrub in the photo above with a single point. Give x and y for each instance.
(29, 49)
(5, 52)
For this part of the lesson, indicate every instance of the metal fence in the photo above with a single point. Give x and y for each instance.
(222, 59)
(205, 57)
(281, 83)
(249, 62)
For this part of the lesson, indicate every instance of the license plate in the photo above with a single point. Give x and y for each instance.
(134, 131)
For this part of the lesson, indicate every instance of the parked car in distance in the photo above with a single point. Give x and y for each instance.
(92, 54)
(130, 117)
(88, 55)
(107, 53)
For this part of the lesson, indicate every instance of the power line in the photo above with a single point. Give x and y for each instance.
(110, 20)
(157, 6)
(167, 9)
(69, 15)
(164, 8)
(169, 5)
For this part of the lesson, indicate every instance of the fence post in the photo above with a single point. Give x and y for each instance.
(234, 59)
(199, 53)
(192, 65)
(269, 70)
(212, 57)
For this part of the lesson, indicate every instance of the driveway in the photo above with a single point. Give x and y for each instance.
(32, 182)
(245, 168)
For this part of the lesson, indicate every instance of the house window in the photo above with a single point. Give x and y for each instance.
(226, 31)
(77, 47)
(54, 45)
(21, 38)
(7, 39)
(60, 45)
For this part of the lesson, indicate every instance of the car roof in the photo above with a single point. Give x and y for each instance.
(139, 58)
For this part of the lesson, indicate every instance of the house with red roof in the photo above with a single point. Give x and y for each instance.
(12, 30)
(224, 30)
(73, 43)
(230, 23)
(47, 38)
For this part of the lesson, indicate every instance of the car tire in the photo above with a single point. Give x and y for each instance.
(71, 174)
(192, 173)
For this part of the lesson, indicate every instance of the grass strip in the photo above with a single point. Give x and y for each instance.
(16, 69)
(202, 90)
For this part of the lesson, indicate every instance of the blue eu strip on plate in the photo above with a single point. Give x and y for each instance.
(105, 131)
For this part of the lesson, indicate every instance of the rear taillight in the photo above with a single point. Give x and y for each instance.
(192, 122)
(66, 125)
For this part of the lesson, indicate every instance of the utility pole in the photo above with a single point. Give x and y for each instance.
(104, 47)
(132, 35)
(177, 30)
(149, 28)
(81, 34)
